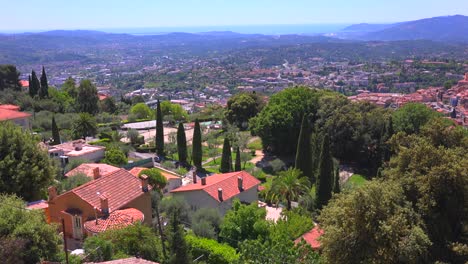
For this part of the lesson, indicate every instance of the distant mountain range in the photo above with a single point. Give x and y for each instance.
(446, 28)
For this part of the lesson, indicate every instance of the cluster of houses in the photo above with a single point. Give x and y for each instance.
(452, 102)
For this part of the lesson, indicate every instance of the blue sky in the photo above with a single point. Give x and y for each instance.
(97, 14)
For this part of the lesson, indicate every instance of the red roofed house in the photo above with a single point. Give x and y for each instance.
(12, 113)
(77, 149)
(113, 201)
(218, 191)
(173, 181)
(312, 237)
(93, 170)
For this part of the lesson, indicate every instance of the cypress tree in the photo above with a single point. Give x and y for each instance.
(55, 132)
(159, 131)
(197, 146)
(178, 248)
(325, 177)
(34, 85)
(29, 88)
(238, 160)
(336, 185)
(181, 144)
(44, 89)
(226, 159)
(304, 151)
(385, 137)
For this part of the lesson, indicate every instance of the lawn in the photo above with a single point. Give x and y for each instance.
(355, 181)
(255, 145)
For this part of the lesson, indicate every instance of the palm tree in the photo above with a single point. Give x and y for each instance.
(288, 186)
(85, 125)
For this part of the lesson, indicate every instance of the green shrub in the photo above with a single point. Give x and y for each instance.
(214, 252)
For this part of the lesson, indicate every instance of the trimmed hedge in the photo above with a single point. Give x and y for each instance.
(214, 252)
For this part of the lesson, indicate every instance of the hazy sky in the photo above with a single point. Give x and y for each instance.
(95, 14)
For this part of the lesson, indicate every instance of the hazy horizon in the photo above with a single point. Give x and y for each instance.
(138, 14)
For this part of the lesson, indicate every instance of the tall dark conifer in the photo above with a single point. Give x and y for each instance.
(336, 185)
(34, 85)
(159, 131)
(304, 151)
(325, 177)
(55, 132)
(226, 158)
(29, 88)
(181, 144)
(197, 146)
(178, 248)
(238, 166)
(44, 89)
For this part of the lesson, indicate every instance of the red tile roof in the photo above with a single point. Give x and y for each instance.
(88, 169)
(312, 237)
(10, 112)
(41, 204)
(116, 220)
(132, 260)
(120, 187)
(24, 83)
(226, 181)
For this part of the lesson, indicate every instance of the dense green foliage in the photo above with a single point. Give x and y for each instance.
(159, 131)
(373, 224)
(155, 178)
(25, 237)
(241, 107)
(73, 181)
(226, 157)
(34, 84)
(44, 90)
(114, 156)
(140, 111)
(179, 252)
(25, 168)
(206, 222)
(303, 160)
(237, 164)
(212, 251)
(288, 186)
(134, 240)
(181, 144)
(278, 124)
(411, 117)
(173, 112)
(197, 146)
(55, 132)
(84, 126)
(325, 175)
(9, 77)
(243, 222)
(87, 98)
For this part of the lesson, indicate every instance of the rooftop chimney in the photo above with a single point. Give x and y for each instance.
(240, 183)
(144, 183)
(203, 181)
(194, 176)
(96, 173)
(104, 204)
(52, 192)
(220, 194)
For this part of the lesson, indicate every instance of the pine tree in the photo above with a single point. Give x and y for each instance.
(181, 144)
(159, 131)
(238, 160)
(197, 146)
(178, 249)
(44, 89)
(336, 185)
(55, 132)
(34, 85)
(325, 175)
(304, 151)
(226, 159)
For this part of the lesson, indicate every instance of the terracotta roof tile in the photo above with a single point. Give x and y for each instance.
(116, 220)
(6, 114)
(312, 237)
(41, 204)
(88, 169)
(132, 260)
(120, 187)
(226, 181)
